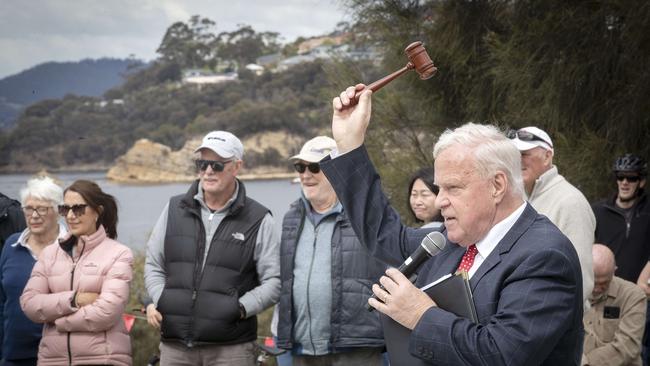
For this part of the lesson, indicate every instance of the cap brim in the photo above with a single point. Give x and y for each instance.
(219, 152)
(527, 145)
(310, 158)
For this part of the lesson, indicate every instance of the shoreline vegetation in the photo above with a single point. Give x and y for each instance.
(251, 174)
(148, 162)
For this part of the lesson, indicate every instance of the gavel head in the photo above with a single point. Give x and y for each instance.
(420, 60)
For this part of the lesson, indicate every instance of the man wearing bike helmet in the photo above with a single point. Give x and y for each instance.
(623, 221)
(623, 224)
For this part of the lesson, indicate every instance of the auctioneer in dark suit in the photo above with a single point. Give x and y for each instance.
(527, 292)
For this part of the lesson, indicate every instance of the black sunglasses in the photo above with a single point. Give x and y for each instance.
(314, 168)
(77, 210)
(524, 136)
(217, 166)
(632, 179)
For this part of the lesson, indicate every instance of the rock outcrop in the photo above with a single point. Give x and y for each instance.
(151, 162)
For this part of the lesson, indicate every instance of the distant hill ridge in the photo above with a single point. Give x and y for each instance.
(54, 80)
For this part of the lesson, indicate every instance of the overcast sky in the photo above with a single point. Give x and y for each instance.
(37, 31)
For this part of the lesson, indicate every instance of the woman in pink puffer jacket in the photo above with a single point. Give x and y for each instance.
(80, 287)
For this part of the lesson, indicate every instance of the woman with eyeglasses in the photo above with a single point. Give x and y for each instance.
(80, 287)
(422, 197)
(20, 336)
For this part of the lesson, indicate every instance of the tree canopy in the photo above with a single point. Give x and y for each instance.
(576, 69)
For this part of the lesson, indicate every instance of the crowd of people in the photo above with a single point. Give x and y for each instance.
(555, 280)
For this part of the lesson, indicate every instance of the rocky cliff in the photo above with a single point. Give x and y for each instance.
(151, 162)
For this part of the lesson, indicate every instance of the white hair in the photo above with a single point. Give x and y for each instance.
(491, 149)
(42, 188)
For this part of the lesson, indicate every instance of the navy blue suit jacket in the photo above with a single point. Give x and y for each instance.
(527, 292)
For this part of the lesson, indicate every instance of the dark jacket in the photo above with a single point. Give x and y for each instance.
(353, 272)
(630, 241)
(527, 292)
(12, 219)
(19, 335)
(201, 305)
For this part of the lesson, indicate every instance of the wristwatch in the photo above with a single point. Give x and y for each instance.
(242, 311)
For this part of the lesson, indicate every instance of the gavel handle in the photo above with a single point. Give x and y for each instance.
(383, 81)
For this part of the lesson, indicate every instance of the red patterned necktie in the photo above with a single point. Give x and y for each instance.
(468, 259)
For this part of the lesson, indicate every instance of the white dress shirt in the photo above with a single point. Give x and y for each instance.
(486, 245)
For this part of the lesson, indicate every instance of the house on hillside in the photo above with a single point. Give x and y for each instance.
(268, 60)
(201, 77)
(255, 68)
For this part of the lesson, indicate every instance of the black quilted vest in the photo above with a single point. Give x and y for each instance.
(201, 306)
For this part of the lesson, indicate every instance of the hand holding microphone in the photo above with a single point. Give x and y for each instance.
(432, 244)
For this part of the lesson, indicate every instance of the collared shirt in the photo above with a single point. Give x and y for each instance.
(24, 236)
(212, 219)
(614, 326)
(486, 245)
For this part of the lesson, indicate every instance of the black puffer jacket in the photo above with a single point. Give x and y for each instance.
(12, 219)
(630, 241)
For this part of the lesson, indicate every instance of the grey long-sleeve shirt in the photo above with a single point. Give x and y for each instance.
(266, 256)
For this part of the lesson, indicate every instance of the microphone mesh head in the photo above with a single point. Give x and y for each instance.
(434, 242)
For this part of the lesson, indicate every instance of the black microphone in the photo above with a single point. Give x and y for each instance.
(432, 244)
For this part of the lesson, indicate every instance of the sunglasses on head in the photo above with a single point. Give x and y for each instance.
(524, 136)
(77, 210)
(632, 179)
(314, 168)
(216, 166)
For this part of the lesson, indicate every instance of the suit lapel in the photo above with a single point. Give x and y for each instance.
(451, 261)
(523, 223)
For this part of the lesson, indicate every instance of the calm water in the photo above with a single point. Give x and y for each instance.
(140, 205)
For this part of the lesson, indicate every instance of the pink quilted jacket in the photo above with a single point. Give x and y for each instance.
(92, 334)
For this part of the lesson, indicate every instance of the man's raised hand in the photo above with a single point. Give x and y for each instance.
(349, 121)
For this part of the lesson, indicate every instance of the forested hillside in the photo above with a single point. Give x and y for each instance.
(79, 130)
(56, 79)
(154, 103)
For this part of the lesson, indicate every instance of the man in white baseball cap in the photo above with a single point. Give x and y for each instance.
(212, 263)
(552, 195)
(321, 320)
(225, 144)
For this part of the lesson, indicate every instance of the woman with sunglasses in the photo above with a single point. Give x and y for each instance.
(39, 199)
(80, 287)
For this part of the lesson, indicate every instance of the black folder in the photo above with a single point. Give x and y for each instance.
(451, 293)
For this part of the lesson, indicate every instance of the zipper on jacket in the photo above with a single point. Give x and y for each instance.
(196, 277)
(311, 266)
(74, 266)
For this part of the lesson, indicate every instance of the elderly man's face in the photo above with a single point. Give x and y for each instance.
(465, 199)
(534, 162)
(602, 279)
(315, 186)
(218, 183)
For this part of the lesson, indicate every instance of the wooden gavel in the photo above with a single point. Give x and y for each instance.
(418, 60)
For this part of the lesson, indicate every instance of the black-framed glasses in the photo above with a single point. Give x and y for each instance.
(40, 210)
(314, 168)
(216, 165)
(524, 136)
(77, 210)
(631, 179)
